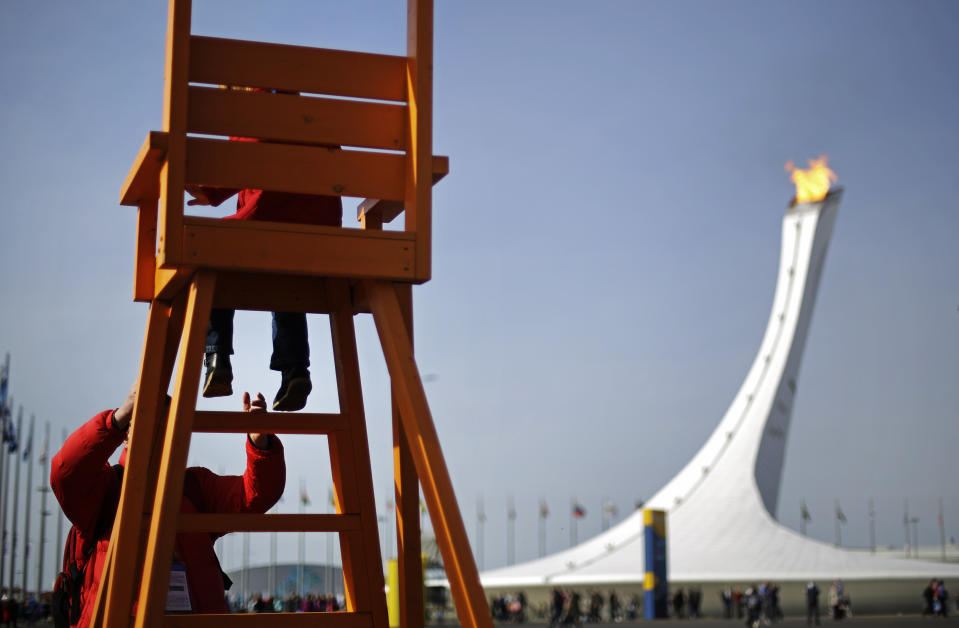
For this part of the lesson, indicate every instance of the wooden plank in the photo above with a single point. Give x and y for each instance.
(420, 432)
(296, 169)
(297, 119)
(419, 52)
(277, 620)
(258, 247)
(271, 293)
(297, 68)
(252, 522)
(407, 492)
(386, 211)
(219, 422)
(119, 577)
(144, 272)
(143, 181)
(176, 447)
(170, 218)
(352, 476)
(168, 283)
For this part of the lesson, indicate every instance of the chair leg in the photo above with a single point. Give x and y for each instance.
(352, 475)
(176, 446)
(421, 436)
(164, 327)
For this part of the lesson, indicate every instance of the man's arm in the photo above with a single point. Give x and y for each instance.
(80, 474)
(261, 485)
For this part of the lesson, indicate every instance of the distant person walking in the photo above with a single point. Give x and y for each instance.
(812, 603)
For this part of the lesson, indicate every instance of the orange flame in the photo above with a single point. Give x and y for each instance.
(812, 184)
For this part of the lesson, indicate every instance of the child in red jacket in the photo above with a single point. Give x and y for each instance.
(291, 350)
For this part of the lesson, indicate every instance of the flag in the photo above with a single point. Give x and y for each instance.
(511, 512)
(804, 511)
(46, 447)
(389, 505)
(4, 380)
(480, 512)
(609, 509)
(304, 498)
(332, 498)
(840, 515)
(578, 510)
(543, 509)
(11, 437)
(28, 447)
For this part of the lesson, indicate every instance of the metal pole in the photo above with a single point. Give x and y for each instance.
(16, 505)
(5, 464)
(58, 557)
(510, 532)
(245, 578)
(271, 574)
(915, 536)
(905, 525)
(872, 526)
(942, 532)
(301, 557)
(542, 535)
(838, 527)
(44, 489)
(26, 516)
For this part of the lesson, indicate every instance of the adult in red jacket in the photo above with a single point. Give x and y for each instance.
(85, 484)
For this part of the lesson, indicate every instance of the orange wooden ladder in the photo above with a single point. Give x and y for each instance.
(187, 265)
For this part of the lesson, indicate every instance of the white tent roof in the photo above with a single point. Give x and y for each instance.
(718, 507)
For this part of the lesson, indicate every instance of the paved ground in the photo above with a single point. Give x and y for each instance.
(879, 621)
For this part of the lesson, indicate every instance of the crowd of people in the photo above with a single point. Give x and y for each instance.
(936, 598)
(32, 610)
(292, 603)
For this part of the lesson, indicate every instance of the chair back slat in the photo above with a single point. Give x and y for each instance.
(293, 168)
(220, 61)
(297, 119)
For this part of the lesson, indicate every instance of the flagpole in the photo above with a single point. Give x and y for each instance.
(44, 489)
(5, 465)
(480, 527)
(838, 526)
(272, 571)
(16, 502)
(872, 527)
(301, 556)
(245, 578)
(905, 524)
(328, 575)
(28, 458)
(572, 523)
(942, 532)
(543, 513)
(510, 531)
(58, 556)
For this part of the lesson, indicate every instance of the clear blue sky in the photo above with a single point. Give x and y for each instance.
(605, 245)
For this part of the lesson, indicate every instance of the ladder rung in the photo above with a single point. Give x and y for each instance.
(322, 620)
(272, 422)
(252, 522)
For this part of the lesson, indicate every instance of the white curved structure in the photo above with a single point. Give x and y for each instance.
(719, 521)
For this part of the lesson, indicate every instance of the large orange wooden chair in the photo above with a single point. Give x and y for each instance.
(377, 108)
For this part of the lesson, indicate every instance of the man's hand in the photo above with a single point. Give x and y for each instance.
(124, 414)
(260, 441)
(199, 196)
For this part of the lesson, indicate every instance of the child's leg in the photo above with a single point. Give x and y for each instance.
(291, 356)
(218, 381)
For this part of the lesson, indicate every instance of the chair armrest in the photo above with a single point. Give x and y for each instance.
(143, 180)
(379, 212)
